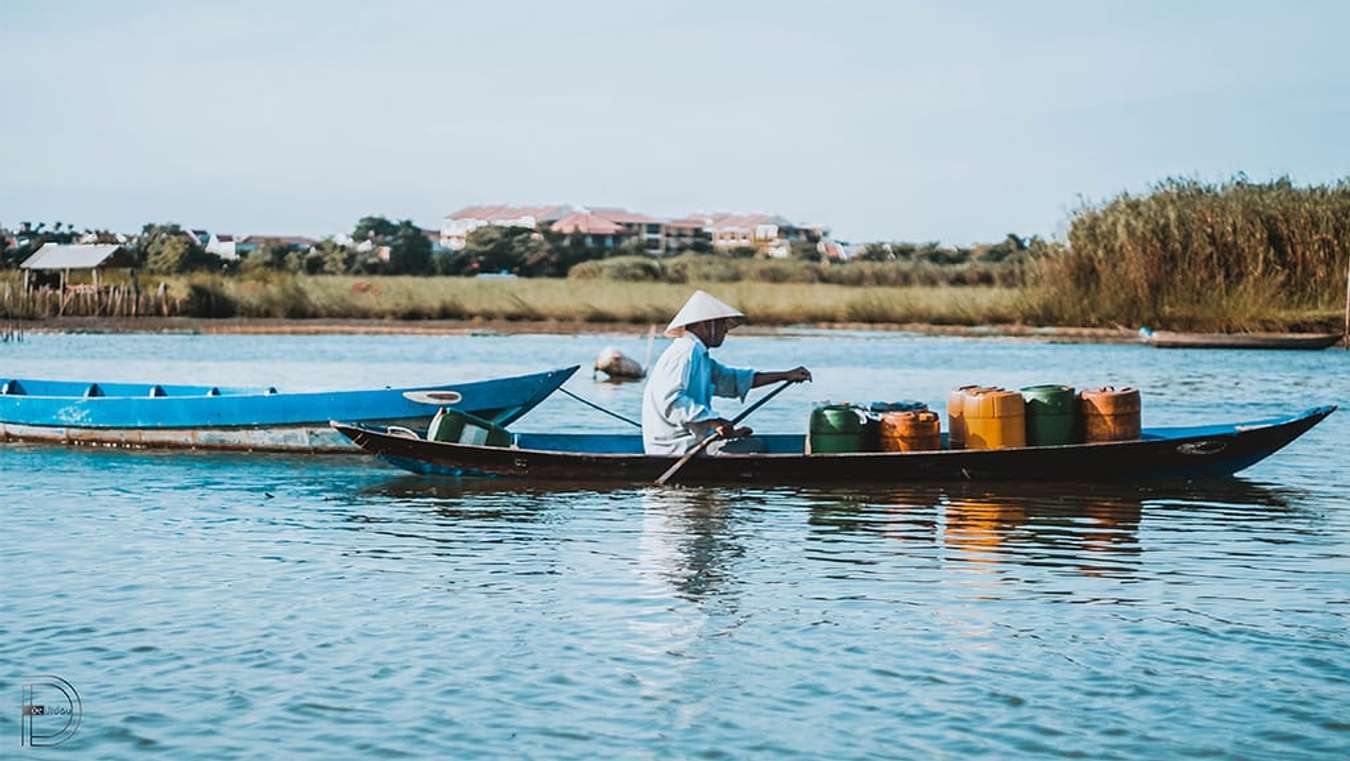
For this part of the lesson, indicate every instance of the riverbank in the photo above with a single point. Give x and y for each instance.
(319, 327)
(403, 304)
(570, 305)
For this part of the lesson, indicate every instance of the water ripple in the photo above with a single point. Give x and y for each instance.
(257, 606)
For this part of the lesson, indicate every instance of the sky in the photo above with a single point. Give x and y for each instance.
(950, 121)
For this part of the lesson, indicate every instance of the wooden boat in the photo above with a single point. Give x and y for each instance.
(1164, 339)
(1179, 452)
(254, 419)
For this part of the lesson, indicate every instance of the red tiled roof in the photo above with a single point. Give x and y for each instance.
(737, 221)
(502, 213)
(623, 216)
(586, 224)
(692, 222)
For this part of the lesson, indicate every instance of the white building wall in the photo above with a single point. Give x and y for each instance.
(455, 232)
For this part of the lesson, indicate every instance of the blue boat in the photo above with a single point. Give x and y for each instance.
(243, 419)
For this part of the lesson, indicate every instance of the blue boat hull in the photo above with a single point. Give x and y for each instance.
(261, 419)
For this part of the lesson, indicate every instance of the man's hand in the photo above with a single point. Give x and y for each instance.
(727, 430)
(799, 375)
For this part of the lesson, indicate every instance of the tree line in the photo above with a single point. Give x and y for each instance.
(376, 246)
(380, 246)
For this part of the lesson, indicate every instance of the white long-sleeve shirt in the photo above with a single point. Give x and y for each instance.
(680, 388)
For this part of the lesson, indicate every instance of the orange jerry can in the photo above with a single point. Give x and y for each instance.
(956, 427)
(915, 431)
(1110, 414)
(994, 419)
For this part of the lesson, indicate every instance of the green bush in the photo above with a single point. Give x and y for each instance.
(703, 268)
(633, 269)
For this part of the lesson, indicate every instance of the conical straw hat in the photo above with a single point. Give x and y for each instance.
(701, 306)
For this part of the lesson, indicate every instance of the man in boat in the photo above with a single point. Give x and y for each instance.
(677, 408)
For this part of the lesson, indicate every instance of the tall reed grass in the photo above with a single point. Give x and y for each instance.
(599, 301)
(288, 296)
(1239, 255)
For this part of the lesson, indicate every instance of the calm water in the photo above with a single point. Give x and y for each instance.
(267, 607)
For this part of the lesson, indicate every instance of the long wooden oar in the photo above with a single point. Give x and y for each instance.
(702, 445)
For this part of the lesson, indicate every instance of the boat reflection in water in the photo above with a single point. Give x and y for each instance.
(1076, 528)
(1076, 532)
(703, 544)
(689, 538)
(692, 538)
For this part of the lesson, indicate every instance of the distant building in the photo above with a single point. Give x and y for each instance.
(597, 230)
(455, 231)
(768, 233)
(434, 236)
(94, 237)
(686, 233)
(224, 246)
(62, 258)
(76, 256)
(649, 230)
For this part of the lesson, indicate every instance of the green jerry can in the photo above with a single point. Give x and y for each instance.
(841, 428)
(1051, 415)
(452, 426)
